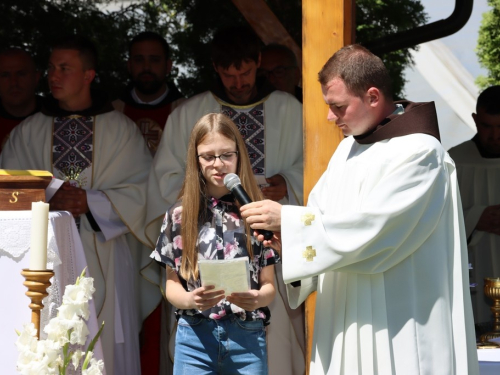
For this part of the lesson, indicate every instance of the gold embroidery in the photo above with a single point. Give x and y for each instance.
(74, 177)
(309, 253)
(307, 218)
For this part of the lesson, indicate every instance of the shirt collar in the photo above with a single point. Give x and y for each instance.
(133, 93)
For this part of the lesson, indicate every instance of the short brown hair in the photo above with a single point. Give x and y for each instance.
(489, 100)
(84, 46)
(359, 69)
(235, 45)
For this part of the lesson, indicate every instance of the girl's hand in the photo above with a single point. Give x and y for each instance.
(205, 297)
(274, 242)
(248, 301)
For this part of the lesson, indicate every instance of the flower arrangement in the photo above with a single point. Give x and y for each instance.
(66, 335)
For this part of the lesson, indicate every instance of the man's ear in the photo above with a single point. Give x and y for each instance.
(215, 67)
(474, 117)
(89, 76)
(259, 60)
(38, 74)
(373, 95)
(129, 63)
(169, 66)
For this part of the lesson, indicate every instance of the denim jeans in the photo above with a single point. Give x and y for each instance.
(228, 346)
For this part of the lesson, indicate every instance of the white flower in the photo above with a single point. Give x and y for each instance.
(76, 357)
(51, 356)
(95, 367)
(79, 333)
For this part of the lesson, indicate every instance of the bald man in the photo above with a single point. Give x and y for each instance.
(18, 81)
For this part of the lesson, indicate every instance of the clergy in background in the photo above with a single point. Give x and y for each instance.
(149, 99)
(18, 81)
(102, 156)
(270, 122)
(478, 170)
(382, 240)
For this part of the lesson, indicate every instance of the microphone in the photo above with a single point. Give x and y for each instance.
(233, 184)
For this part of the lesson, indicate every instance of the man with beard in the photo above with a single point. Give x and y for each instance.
(149, 99)
(103, 159)
(18, 80)
(478, 169)
(270, 122)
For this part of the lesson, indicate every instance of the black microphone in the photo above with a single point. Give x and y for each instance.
(233, 184)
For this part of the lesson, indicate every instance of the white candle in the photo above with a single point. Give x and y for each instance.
(39, 229)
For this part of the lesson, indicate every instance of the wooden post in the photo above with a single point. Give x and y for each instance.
(327, 26)
(266, 25)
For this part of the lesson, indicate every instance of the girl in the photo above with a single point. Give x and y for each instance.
(216, 334)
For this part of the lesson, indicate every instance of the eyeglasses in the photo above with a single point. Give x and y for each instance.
(226, 157)
(278, 72)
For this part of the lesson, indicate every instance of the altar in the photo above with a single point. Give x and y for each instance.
(65, 256)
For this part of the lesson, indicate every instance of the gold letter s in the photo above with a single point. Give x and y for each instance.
(14, 196)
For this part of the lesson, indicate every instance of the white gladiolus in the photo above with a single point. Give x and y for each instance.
(95, 367)
(53, 355)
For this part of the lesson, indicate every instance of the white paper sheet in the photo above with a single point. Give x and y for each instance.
(230, 275)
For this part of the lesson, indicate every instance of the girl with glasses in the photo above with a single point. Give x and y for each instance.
(216, 333)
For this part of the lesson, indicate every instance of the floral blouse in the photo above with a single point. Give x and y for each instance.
(222, 236)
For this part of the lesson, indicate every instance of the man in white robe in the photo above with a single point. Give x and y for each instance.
(382, 238)
(101, 155)
(478, 170)
(270, 121)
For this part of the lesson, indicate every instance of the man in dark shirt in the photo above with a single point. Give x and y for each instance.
(18, 80)
(279, 65)
(149, 99)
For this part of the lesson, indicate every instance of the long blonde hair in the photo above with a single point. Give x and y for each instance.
(194, 195)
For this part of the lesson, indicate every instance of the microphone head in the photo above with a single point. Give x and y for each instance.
(231, 180)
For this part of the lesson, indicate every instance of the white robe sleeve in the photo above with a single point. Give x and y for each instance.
(284, 143)
(298, 294)
(399, 212)
(108, 220)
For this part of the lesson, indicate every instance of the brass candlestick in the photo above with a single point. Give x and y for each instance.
(492, 290)
(37, 283)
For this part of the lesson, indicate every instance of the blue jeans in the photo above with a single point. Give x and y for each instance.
(228, 346)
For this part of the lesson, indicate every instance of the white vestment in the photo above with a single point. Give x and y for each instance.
(479, 181)
(282, 122)
(383, 243)
(116, 188)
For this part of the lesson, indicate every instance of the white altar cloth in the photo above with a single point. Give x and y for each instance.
(65, 256)
(489, 361)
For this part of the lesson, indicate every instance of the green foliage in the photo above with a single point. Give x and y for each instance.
(35, 25)
(488, 46)
(378, 18)
(188, 26)
(374, 19)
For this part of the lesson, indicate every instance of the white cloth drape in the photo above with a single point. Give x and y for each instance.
(65, 256)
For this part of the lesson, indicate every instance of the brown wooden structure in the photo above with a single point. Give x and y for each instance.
(327, 25)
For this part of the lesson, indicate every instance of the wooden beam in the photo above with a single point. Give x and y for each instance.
(267, 26)
(327, 25)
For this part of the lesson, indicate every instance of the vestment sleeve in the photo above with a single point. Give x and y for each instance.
(298, 294)
(108, 220)
(286, 156)
(398, 214)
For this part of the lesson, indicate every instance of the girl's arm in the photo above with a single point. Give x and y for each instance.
(254, 299)
(201, 299)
